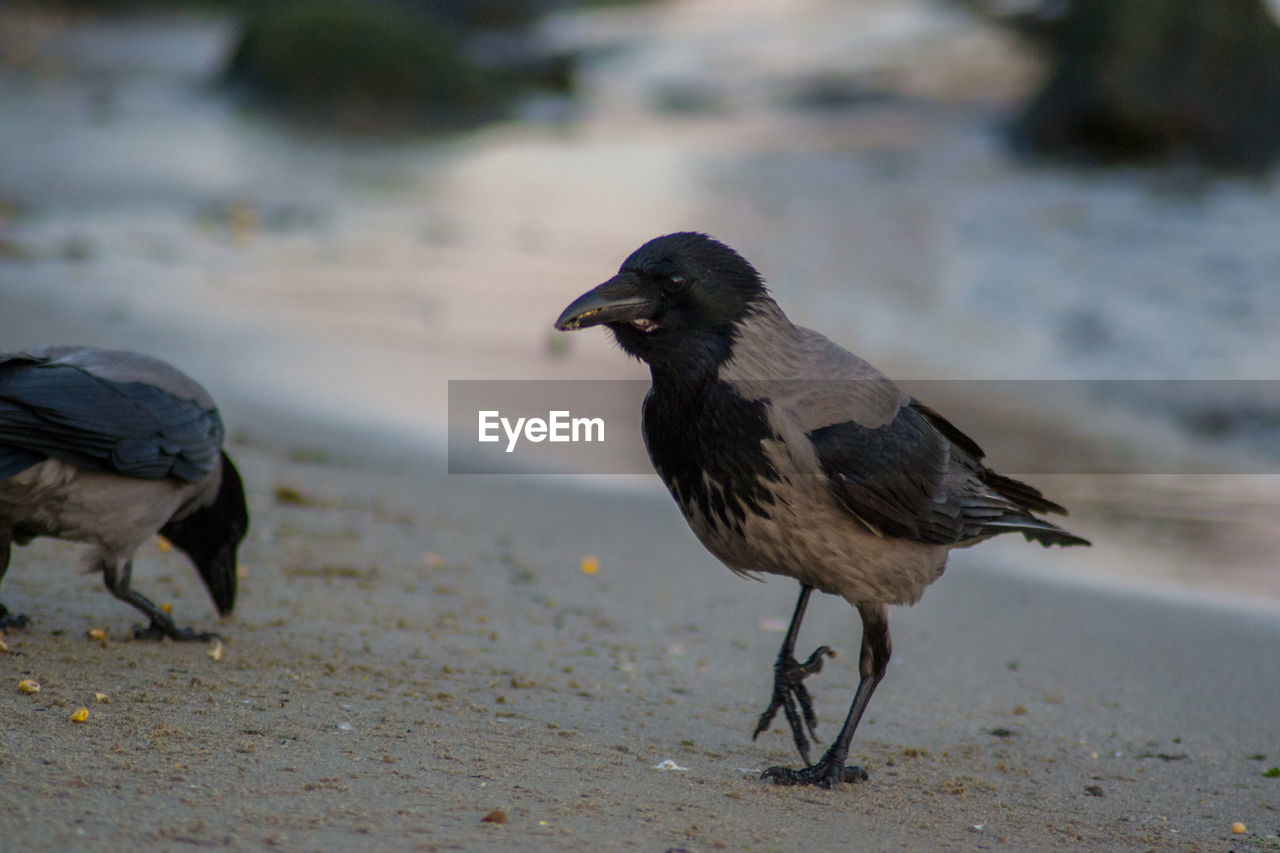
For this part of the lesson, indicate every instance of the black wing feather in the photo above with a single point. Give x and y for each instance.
(15, 460)
(891, 477)
(131, 428)
(950, 431)
(919, 477)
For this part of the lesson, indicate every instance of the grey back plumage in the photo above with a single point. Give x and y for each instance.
(105, 410)
(896, 465)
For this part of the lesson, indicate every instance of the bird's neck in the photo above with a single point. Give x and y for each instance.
(763, 341)
(692, 359)
(678, 385)
(750, 349)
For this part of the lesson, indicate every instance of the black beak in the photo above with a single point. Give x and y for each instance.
(218, 571)
(619, 300)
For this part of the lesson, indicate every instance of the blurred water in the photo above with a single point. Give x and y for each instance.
(851, 151)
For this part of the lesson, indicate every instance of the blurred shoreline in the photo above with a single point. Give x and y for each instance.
(346, 280)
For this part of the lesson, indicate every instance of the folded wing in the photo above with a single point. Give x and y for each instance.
(898, 466)
(105, 410)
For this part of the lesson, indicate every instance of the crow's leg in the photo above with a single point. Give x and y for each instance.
(788, 683)
(830, 769)
(116, 577)
(7, 619)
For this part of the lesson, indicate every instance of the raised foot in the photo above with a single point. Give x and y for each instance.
(159, 630)
(12, 620)
(824, 774)
(790, 695)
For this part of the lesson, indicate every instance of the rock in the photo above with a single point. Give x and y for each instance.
(1160, 80)
(361, 66)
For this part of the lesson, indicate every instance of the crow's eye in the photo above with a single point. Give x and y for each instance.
(674, 284)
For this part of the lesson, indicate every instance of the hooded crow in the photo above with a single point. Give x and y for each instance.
(110, 448)
(790, 455)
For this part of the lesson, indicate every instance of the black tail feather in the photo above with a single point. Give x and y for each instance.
(1020, 493)
(1036, 530)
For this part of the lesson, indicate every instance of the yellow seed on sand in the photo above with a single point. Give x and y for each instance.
(216, 651)
(163, 545)
(4, 647)
(1238, 828)
(167, 607)
(28, 685)
(589, 565)
(80, 715)
(102, 698)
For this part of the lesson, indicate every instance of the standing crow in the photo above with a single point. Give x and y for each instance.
(110, 448)
(790, 455)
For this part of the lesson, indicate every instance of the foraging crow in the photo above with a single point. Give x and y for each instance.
(790, 455)
(109, 448)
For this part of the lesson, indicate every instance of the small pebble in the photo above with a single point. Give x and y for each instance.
(1238, 828)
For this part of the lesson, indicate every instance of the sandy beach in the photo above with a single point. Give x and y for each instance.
(414, 652)
(418, 659)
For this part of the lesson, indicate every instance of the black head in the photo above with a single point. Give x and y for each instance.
(210, 535)
(675, 302)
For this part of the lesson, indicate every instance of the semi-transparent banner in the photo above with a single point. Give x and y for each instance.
(1025, 426)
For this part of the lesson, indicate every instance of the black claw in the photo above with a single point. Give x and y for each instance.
(788, 693)
(825, 774)
(159, 630)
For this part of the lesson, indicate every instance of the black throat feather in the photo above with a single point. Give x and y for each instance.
(695, 354)
(706, 442)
